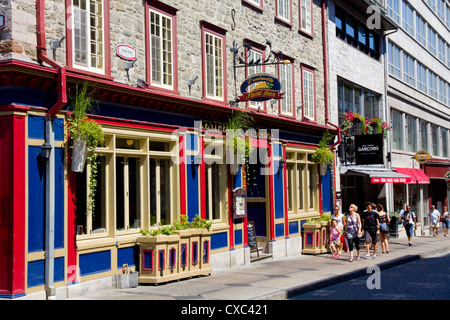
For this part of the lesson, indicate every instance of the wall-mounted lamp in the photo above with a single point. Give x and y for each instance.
(46, 150)
(282, 163)
(54, 44)
(128, 66)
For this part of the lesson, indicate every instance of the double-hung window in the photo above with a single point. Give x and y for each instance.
(286, 78)
(88, 34)
(306, 24)
(255, 55)
(214, 76)
(308, 87)
(284, 11)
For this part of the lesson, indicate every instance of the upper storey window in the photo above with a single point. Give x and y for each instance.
(306, 16)
(284, 11)
(89, 35)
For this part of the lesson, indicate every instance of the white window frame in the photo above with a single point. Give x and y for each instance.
(306, 22)
(284, 10)
(308, 89)
(287, 86)
(217, 57)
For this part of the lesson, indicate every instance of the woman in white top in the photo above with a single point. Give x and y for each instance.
(339, 217)
(353, 232)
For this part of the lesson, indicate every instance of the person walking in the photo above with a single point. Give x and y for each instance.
(384, 228)
(434, 215)
(409, 222)
(352, 227)
(371, 226)
(335, 239)
(339, 217)
(445, 221)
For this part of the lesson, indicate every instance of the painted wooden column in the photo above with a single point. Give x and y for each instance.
(12, 205)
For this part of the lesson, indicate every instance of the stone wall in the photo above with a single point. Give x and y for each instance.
(128, 27)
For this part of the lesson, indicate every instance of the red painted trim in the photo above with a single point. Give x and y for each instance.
(71, 225)
(320, 192)
(271, 195)
(312, 70)
(230, 208)
(202, 177)
(221, 33)
(133, 124)
(194, 263)
(169, 11)
(172, 263)
(144, 252)
(164, 260)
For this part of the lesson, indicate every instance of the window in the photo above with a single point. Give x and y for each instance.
(408, 69)
(161, 49)
(432, 4)
(441, 49)
(421, 30)
(393, 7)
(432, 84)
(421, 78)
(432, 40)
(255, 3)
(394, 59)
(447, 10)
(441, 10)
(284, 11)
(286, 80)
(306, 21)
(255, 55)
(309, 99)
(408, 18)
(214, 75)
(88, 35)
(397, 130)
(370, 105)
(445, 139)
(412, 134)
(215, 191)
(302, 182)
(435, 140)
(423, 135)
(442, 91)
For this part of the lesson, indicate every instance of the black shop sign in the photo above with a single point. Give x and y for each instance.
(369, 149)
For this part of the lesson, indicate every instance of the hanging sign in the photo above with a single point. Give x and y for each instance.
(2, 21)
(422, 156)
(260, 87)
(369, 149)
(126, 52)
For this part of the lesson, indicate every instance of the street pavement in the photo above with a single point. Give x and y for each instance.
(280, 279)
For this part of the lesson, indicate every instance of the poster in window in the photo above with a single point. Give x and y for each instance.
(239, 203)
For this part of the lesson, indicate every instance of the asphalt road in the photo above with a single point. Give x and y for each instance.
(424, 279)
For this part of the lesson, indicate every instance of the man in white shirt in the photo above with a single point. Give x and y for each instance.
(434, 220)
(409, 222)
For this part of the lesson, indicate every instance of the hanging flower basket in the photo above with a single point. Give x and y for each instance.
(447, 178)
(359, 123)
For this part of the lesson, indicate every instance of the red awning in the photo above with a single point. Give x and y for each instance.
(421, 177)
(417, 175)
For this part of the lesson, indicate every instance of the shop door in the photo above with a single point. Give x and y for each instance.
(257, 202)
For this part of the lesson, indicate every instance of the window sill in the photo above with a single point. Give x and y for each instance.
(89, 73)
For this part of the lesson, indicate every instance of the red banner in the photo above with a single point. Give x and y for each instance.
(261, 94)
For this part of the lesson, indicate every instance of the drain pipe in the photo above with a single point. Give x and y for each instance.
(325, 73)
(50, 289)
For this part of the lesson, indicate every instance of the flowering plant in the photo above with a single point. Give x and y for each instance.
(366, 124)
(447, 178)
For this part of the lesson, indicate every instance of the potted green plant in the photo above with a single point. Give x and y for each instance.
(86, 135)
(323, 154)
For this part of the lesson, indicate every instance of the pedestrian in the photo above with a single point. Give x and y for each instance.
(338, 217)
(409, 222)
(335, 239)
(445, 221)
(384, 228)
(352, 227)
(434, 215)
(371, 226)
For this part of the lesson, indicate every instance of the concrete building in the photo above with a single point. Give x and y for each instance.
(157, 68)
(419, 100)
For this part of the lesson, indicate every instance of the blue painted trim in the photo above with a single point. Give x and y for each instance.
(293, 227)
(95, 262)
(279, 230)
(219, 240)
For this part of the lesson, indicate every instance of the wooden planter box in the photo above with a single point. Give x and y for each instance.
(324, 236)
(312, 238)
(205, 240)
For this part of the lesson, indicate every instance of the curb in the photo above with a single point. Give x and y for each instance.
(323, 283)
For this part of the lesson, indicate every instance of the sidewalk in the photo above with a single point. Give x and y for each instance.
(279, 279)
